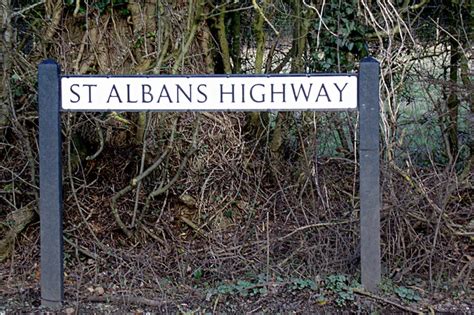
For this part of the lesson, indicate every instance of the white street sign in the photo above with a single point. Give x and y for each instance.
(209, 93)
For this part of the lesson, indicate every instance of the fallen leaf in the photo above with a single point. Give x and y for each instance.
(99, 291)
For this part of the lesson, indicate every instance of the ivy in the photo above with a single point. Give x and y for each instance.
(407, 294)
(345, 45)
(340, 286)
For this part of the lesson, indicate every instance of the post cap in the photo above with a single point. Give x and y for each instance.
(49, 62)
(369, 59)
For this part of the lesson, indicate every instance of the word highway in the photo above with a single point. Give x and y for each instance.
(209, 93)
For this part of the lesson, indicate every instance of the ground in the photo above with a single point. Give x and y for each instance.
(329, 294)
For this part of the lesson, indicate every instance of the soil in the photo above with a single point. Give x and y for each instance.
(109, 292)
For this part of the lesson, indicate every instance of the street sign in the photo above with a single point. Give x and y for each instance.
(209, 93)
(315, 92)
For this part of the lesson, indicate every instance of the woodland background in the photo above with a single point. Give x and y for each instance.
(242, 211)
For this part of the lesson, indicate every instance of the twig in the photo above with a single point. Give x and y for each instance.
(320, 16)
(153, 235)
(213, 117)
(379, 298)
(101, 142)
(190, 152)
(268, 242)
(81, 51)
(191, 35)
(77, 8)
(126, 300)
(260, 11)
(136, 180)
(302, 228)
(83, 250)
(142, 167)
(20, 12)
(192, 225)
(76, 198)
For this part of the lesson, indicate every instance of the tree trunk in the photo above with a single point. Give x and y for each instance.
(259, 38)
(470, 116)
(468, 87)
(235, 46)
(453, 99)
(299, 39)
(143, 17)
(223, 43)
(5, 49)
(255, 119)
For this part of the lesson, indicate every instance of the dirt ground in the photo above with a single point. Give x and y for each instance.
(189, 300)
(91, 288)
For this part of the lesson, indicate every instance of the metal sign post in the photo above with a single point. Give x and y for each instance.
(369, 176)
(315, 92)
(51, 199)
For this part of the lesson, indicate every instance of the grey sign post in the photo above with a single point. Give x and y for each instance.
(369, 173)
(51, 201)
(50, 107)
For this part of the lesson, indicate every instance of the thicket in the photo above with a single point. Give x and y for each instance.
(166, 195)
